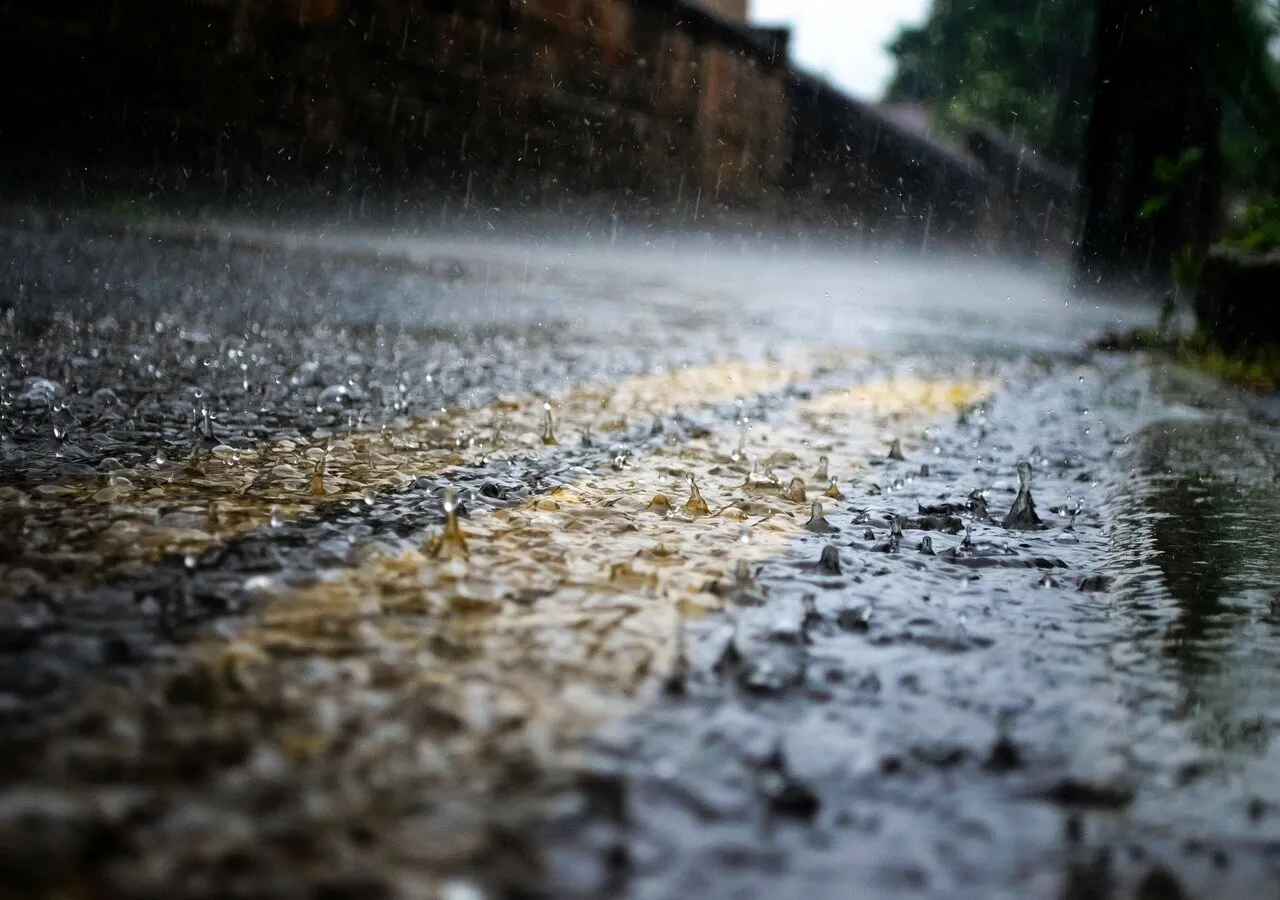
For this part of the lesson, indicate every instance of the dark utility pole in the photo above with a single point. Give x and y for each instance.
(1153, 108)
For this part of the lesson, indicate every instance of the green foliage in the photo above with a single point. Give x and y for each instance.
(1260, 229)
(1258, 370)
(1251, 131)
(1185, 268)
(1237, 37)
(1170, 173)
(1024, 68)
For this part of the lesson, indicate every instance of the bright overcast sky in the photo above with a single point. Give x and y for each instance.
(843, 39)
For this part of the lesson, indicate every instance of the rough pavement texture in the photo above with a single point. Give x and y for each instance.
(909, 691)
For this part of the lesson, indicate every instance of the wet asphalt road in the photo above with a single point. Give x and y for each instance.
(221, 676)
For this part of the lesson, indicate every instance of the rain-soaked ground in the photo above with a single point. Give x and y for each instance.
(355, 563)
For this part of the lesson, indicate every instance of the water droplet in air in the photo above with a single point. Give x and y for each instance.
(833, 491)
(277, 517)
(368, 496)
(740, 452)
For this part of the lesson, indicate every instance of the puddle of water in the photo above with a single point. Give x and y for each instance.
(1199, 571)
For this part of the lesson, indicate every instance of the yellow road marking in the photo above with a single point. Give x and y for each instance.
(564, 616)
(418, 698)
(127, 520)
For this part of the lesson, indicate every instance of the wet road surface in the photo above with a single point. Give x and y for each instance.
(743, 593)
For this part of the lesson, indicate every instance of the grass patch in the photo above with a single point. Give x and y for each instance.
(1255, 368)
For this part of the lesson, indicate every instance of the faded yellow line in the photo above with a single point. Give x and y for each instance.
(124, 521)
(562, 615)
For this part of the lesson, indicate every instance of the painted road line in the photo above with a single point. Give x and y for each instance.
(405, 714)
(122, 522)
(447, 673)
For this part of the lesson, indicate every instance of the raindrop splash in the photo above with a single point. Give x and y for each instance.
(548, 426)
(660, 504)
(833, 490)
(695, 506)
(317, 476)
(451, 542)
(817, 520)
(829, 561)
(1022, 515)
(822, 474)
(795, 491)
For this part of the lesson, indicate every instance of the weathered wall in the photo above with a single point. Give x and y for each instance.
(730, 9)
(866, 170)
(1042, 198)
(526, 101)
(645, 95)
(855, 165)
